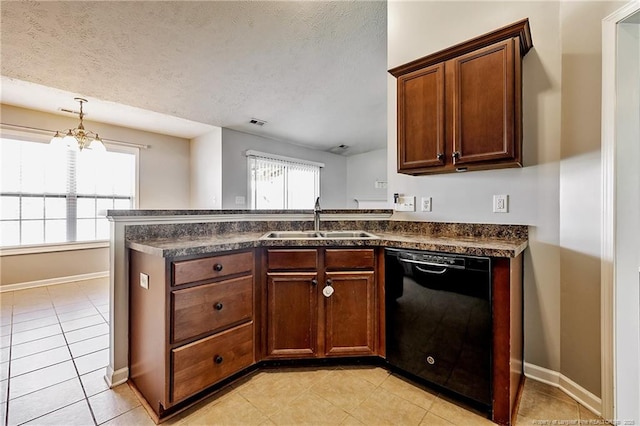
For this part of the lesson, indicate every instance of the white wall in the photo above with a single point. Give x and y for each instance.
(557, 193)
(363, 170)
(206, 170)
(580, 190)
(333, 176)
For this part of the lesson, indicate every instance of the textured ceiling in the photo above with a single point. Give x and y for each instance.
(315, 71)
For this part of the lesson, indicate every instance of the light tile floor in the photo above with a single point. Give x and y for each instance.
(54, 350)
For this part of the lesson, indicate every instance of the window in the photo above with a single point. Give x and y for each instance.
(282, 183)
(50, 195)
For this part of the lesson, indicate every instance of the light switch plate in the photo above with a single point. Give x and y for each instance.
(501, 203)
(144, 280)
(406, 204)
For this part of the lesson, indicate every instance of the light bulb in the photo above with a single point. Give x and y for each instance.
(97, 145)
(57, 141)
(70, 142)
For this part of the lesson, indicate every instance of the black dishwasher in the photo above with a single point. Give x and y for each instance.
(438, 320)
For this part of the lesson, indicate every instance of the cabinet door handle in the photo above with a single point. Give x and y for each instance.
(455, 155)
(314, 282)
(218, 359)
(440, 157)
(329, 282)
(218, 306)
(217, 267)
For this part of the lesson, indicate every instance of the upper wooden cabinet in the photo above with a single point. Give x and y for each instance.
(461, 108)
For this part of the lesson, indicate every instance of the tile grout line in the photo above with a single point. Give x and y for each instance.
(59, 323)
(84, 392)
(6, 407)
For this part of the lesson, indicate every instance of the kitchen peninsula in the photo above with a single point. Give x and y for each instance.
(208, 295)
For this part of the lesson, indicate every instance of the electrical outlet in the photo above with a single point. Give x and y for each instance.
(426, 204)
(144, 280)
(500, 203)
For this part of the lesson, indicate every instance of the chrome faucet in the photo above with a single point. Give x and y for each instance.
(316, 215)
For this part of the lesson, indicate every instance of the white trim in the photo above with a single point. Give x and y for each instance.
(607, 252)
(252, 153)
(608, 225)
(566, 385)
(50, 248)
(115, 378)
(53, 281)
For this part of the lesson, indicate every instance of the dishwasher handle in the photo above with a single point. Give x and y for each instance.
(419, 262)
(430, 271)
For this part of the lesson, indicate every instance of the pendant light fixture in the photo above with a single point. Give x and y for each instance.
(78, 139)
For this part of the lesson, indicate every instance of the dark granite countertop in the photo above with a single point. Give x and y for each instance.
(471, 245)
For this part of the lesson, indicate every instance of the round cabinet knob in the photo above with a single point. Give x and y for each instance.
(440, 157)
(314, 282)
(217, 267)
(327, 291)
(329, 282)
(218, 306)
(218, 359)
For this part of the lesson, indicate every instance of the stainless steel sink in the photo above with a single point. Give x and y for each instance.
(307, 235)
(279, 235)
(346, 234)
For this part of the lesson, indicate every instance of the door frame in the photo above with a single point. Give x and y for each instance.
(609, 365)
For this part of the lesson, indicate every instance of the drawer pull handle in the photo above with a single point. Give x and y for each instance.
(218, 359)
(217, 267)
(218, 306)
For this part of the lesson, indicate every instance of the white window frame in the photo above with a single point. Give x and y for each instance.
(281, 158)
(44, 136)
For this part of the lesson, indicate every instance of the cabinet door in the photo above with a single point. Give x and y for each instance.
(292, 304)
(421, 137)
(350, 314)
(482, 89)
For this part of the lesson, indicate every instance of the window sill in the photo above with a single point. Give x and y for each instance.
(50, 248)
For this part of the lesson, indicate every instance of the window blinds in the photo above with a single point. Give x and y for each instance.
(282, 183)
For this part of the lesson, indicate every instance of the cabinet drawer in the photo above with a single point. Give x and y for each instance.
(284, 259)
(349, 259)
(200, 364)
(211, 267)
(210, 307)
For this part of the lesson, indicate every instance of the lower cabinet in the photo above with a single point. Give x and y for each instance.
(293, 332)
(349, 314)
(324, 306)
(191, 324)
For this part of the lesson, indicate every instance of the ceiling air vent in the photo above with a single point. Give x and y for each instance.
(340, 149)
(257, 122)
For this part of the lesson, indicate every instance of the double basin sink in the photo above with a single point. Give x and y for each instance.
(315, 235)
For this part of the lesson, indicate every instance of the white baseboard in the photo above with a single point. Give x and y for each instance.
(565, 384)
(53, 281)
(115, 378)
